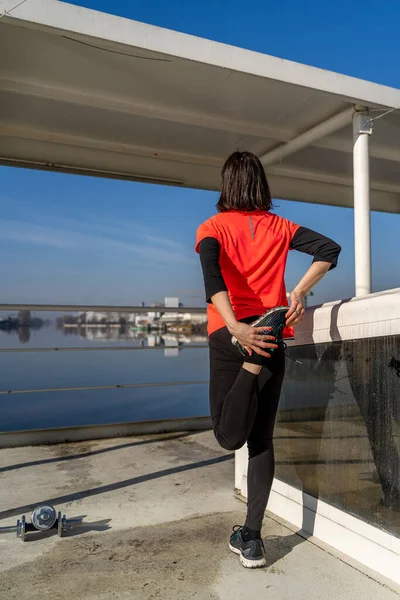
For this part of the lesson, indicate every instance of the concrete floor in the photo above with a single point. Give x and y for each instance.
(157, 511)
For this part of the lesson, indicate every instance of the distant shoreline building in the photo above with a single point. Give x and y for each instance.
(157, 318)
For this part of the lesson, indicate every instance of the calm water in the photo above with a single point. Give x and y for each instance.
(173, 359)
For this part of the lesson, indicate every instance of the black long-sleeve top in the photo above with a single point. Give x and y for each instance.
(304, 240)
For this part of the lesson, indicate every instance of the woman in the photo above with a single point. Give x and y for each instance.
(243, 251)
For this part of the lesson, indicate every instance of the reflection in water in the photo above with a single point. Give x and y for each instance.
(92, 334)
(24, 334)
(338, 434)
(122, 332)
(21, 324)
(100, 333)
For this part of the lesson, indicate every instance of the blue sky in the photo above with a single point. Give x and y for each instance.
(70, 239)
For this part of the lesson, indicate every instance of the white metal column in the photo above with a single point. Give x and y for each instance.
(362, 129)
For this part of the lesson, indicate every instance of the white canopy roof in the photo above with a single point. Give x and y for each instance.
(86, 92)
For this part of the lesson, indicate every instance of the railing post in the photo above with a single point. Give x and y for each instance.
(362, 129)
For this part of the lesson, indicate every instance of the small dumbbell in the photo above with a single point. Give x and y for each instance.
(43, 518)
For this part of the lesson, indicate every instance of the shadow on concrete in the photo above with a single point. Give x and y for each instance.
(85, 527)
(57, 459)
(12, 512)
(277, 547)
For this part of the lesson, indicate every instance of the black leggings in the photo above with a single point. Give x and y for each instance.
(243, 409)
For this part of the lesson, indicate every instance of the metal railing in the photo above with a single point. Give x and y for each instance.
(96, 308)
(103, 348)
(103, 387)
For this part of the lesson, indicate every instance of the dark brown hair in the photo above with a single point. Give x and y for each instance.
(244, 184)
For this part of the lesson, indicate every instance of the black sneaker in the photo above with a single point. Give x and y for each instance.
(275, 320)
(252, 553)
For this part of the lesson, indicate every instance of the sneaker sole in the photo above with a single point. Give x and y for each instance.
(245, 562)
(265, 318)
